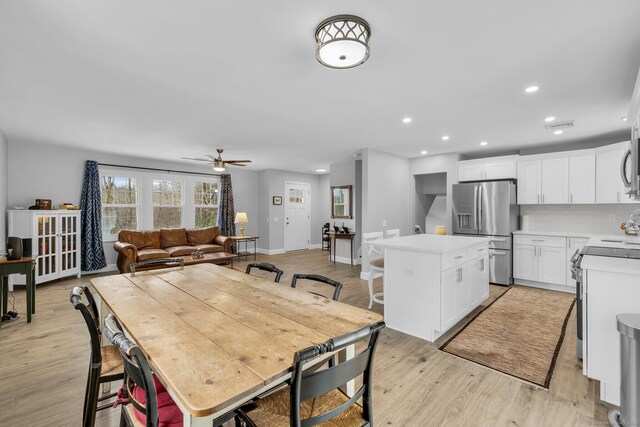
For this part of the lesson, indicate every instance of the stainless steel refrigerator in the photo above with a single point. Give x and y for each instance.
(489, 209)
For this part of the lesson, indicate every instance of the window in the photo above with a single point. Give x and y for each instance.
(167, 203)
(205, 203)
(119, 203)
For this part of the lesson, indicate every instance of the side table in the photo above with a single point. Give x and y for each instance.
(334, 236)
(21, 266)
(246, 240)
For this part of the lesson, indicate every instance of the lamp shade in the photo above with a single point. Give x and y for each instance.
(342, 41)
(242, 218)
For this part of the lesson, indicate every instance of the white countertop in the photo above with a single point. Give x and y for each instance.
(576, 234)
(432, 243)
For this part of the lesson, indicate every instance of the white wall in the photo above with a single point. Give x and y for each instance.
(54, 172)
(4, 187)
(604, 219)
(447, 163)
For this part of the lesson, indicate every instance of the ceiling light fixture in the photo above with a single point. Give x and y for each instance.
(483, 143)
(406, 120)
(321, 170)
(445, 138)
(558, 132)
(342, 41)
(423, 152)
(532, 89)
(218, 166)
(549, 119)
(624, 119)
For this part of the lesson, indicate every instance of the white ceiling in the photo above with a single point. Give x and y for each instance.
(166, 79)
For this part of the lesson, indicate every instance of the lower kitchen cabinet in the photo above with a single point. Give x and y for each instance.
(540, 259)
(463, 288)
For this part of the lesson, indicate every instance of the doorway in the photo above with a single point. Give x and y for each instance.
(297, 221)
(430, 201)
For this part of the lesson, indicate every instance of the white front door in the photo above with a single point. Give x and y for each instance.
(296, 216)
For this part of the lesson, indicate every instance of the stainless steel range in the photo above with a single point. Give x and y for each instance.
(489, 209)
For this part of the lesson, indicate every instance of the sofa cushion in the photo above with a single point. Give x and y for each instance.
(151, 253)
(173, 237)
(199, 236)
(209, 249)
(180, 250)
(140, 239)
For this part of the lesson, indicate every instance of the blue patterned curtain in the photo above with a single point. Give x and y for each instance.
(226, 211)
(92, 251)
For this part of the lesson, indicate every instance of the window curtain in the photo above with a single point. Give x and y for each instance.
(92, 251)
(226, 211)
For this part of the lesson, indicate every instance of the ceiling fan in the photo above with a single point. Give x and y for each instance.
(219, 165)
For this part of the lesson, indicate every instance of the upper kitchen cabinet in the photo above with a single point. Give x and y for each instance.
(486, 169)
(609, 186)
(582, 178)
(543, 181)
(529, 182)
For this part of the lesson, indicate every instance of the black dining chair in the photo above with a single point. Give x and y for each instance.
(105, 363)
(315, 396)
(337, 286)
(265, 266)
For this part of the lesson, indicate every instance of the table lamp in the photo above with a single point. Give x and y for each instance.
(242, 219)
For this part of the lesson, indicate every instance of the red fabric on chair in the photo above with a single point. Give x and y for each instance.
(169, 415)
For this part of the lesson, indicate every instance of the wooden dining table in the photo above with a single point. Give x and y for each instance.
(217, 337)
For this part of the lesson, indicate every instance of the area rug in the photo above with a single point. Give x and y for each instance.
(519, 334)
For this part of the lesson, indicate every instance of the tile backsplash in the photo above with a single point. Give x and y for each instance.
(602, 219)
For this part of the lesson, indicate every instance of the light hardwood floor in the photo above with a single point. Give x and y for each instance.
(43, 368)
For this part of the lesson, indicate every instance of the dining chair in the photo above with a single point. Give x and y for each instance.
(391, 234)
(375, 258)
(265, 266)
(105, 363)
(337, 286)
(315, 396)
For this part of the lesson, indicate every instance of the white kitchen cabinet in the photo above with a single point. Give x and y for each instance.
(495, 168)
(555, 181)
(529, 184)
(478, 288)
(55, 242)
(450, 290)
(609, 186)
(540, 259)
(582, 179)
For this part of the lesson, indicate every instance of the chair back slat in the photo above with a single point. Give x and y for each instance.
(265, 266)
(136, 367)
(321, 382)
(337, 286)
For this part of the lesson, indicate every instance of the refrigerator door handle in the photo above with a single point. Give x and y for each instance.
(480, 227)
(475, 207)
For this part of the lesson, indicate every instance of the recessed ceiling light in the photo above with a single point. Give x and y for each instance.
(558, 132)
(321, 170)
(406, 120)
(423, 152)
(484, 143)
(445, 138)
(624, 119)
(549, 119)
(532, 89)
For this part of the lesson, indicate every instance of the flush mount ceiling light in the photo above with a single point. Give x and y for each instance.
(549, 119)
(445, 138)
(624, 119)
(406, 120)
(483, 143)
(423, 152)
(558, 132)
(532, 89)
(321, 170)
(342, 41)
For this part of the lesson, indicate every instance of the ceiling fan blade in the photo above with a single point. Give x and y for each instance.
(237, 161)
(234, 164)
(211, 157)
(197, 158)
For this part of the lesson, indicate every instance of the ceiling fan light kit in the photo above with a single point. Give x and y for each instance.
(342, 41)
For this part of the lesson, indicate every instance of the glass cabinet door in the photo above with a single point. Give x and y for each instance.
(69, 244)
(46, 232)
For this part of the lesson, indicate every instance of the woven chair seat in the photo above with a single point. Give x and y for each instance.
(273, 410)
(111, 361)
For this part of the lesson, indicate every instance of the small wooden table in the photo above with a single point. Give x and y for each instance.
(217, 337)
(335, 236)
(21, 266)
(246, 240)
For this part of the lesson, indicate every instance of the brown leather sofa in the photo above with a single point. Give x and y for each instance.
(137, 246)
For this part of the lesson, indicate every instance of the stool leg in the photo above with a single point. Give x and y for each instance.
(370, 289)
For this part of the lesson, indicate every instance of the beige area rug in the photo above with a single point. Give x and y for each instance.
(519, 334)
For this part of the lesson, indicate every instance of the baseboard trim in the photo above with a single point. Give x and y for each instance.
(270, 251)
(345, 260)
(548, 286)
(317, 246)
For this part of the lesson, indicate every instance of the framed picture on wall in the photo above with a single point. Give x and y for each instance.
(277, 200)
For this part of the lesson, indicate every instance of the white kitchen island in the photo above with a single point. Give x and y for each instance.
(431, 282)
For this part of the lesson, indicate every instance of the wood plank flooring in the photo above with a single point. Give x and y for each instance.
(43, 368)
